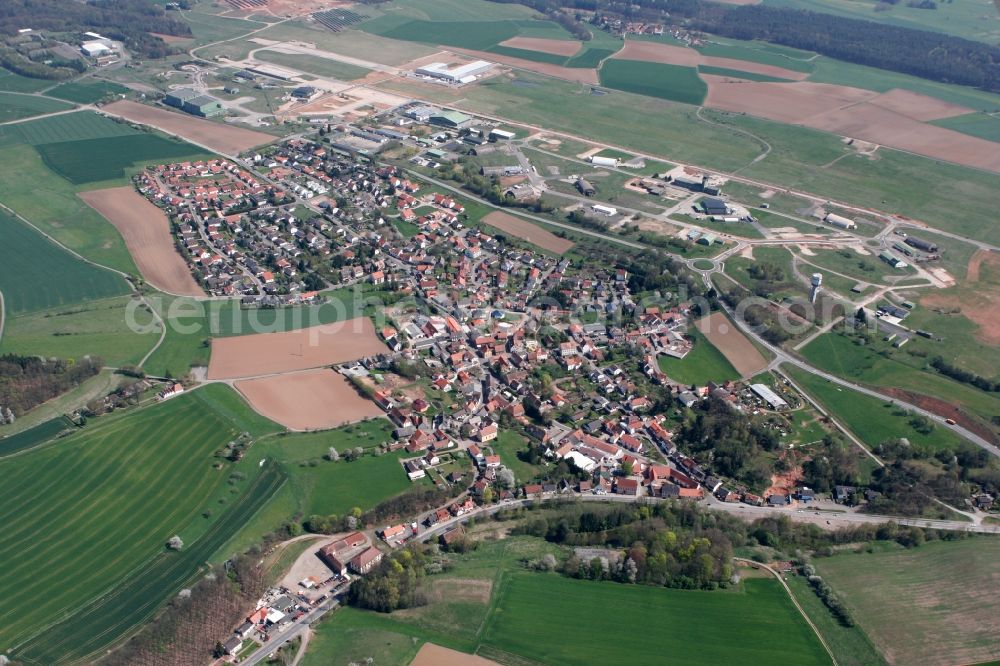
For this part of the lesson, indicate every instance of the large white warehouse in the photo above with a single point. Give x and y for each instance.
(840, 221)
(461, 74)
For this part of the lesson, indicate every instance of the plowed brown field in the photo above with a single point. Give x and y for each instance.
(311, 400)
(223, 138)
(146, 231)
(560, 47)
(274, 353)
(735, 346)
(532, 233)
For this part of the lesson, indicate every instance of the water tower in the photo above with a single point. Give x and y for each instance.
(817, 282)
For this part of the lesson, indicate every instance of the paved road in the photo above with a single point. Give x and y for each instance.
(296, 628)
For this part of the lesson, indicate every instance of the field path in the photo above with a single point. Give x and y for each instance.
(794, 601)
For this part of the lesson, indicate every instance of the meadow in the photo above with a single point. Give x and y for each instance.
(97, 328)
(737, 74)
(14, 106)
(934, 604)
(96, 160)
(16, 83)
(704, 363)
(759, 52)
(87, 92)
(315, 65)
(36, 274)
(872, 420)
(671, 82)
(104, 520)
(879, 365)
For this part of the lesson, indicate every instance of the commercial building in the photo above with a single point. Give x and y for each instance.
(840, 221)
(461, 74)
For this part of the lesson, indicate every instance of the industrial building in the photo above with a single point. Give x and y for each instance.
(840, 221)
(452, 119)
(461, 74)
(501, 135)
(305, 93)
(689, 182)
(597, 160)
(712, 206)
(194, 103)
(764, 392)
(921, 244)
(891, 259)
(586, 189)
(607, 211)
(502, 171)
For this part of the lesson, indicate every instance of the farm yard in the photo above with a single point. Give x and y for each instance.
(528, 231)
(110, 500)
(930, 605)
(36, 274)
(274, 353)
(146, 231)
(222, 138)
(310, 400)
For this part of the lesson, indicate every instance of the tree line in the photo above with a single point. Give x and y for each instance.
(28, 381)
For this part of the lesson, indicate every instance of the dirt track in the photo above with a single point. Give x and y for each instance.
(312, 400)
(217, 136)
(525, 230)
(560, 47)
(735, 346)
(146, 231)
(273, 353)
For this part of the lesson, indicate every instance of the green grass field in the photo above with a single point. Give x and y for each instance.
(14, 106)
(880, 365)
(738, 74)
(17, 83)
(88, 91)
(872, 420)
(671, 82)
(759, 52)
(704, 363)
(97, 328)
(507, 445)
(89, 510)
(690, 626)
(98, 160)
(36, 274)
(68, 127)
(983, 125)
(923, 605)
(315, 65)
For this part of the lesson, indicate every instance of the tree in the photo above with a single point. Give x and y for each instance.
(487, 495)
(627, 468)
(175, 543)
(505, 477)
(332, 454)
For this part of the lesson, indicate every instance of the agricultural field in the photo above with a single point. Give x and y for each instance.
(87, 91)
(738, 74)
(488, 605)
(98, 160)
(671, 82)
(12, 82)
(528, 231)
(36, 274)
(14, 106)
(704, 363)
(983, 125)
(872, 420)
(741, 353)
(110, 500)
(930, 605)
(94, 328)
(762, 53)
(33, 437)
(68, 127)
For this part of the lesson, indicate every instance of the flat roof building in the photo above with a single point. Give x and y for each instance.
(461, 74)
(452, 119)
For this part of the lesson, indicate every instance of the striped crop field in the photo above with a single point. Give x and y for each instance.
(86, 520)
